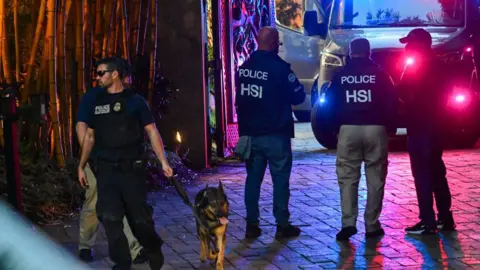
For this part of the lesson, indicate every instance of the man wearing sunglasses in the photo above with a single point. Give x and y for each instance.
(118, 122)
(88, 216)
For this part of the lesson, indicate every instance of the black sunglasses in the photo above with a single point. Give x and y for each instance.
(100, 73)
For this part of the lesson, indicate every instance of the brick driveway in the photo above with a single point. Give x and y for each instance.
(315, 207)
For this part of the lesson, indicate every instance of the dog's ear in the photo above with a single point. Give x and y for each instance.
(220, 187)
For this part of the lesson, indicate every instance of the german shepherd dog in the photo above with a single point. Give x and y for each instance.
(212, 207)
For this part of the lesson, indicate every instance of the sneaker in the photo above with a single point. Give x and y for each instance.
(142, 257)
(287, 231)
(253, 231)
(156, 260)
(446, 225)
(346, 233)
(85, 255)
(377, 233)
(421, 229)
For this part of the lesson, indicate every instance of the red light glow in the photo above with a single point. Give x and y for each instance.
(460, 98)
(409, 61)
(468, 49)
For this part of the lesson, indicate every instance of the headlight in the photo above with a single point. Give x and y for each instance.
(331, 60)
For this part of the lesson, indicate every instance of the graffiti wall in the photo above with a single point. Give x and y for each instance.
(247, 17)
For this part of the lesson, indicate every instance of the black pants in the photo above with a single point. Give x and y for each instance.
(122, 191)
(429, 172)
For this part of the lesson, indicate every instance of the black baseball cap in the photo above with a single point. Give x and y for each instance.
(418, 35)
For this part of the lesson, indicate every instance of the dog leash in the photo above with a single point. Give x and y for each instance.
(183, 194)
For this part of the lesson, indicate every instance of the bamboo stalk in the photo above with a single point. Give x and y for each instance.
(99, 29)
(135, 26)
(153, 51)
(62, 67)
(4, 44)
(17, 43)
(80, 47)
(70, 57)
(50, 40)
(145, 26)
(33, 51)
(126, 36)
(118, 28)
(88, 34)
(109, 15)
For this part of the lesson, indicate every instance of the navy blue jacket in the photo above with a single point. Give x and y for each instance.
(266, 89)
(424, 90)
(363, 94)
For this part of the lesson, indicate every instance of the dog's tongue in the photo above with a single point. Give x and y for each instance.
(223, 221)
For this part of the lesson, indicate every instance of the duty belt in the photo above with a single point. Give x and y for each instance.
(124, 164)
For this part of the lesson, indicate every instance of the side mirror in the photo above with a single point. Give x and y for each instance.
(311, 26)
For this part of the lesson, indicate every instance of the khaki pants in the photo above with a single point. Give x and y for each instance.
(357, 144)
(89, 221)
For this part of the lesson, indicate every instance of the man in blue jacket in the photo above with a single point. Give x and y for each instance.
(363, 100)
(424, 89)
(266, 89)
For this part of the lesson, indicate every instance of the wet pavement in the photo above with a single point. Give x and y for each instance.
(315, 206)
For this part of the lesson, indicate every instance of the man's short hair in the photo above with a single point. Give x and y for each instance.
(360, 46)
(117, 64)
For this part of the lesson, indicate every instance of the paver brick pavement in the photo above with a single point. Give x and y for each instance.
(315, 207)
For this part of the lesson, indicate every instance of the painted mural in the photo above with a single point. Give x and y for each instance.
(247, 17)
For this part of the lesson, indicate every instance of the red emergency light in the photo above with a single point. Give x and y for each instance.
(460, 98)
(468, 49)
(409, 61)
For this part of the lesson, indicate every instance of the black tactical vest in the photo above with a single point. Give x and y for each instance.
(118, 134)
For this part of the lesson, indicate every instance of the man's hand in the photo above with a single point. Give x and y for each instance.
(167, 170)
(82, 178)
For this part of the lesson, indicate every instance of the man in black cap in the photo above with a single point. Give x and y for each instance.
(425, 96)
(363, 100)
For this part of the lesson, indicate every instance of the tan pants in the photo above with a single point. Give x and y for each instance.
(89, 221)
(357, 144)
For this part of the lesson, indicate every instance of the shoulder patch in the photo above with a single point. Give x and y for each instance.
(291, 77)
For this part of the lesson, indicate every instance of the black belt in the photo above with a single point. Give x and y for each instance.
(124, 164)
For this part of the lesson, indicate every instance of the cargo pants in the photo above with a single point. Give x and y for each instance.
(358, 144)
(89, 220)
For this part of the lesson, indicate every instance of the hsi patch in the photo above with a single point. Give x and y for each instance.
(102, 109)
(291, 77)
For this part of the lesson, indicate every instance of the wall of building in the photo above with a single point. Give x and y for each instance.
(181, 52)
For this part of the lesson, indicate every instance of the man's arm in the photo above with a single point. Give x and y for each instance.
(156, 141)
(81, 129)
(87, 145)
(295, 89)
(150, 128)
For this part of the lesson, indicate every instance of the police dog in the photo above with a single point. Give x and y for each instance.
(212, 207)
